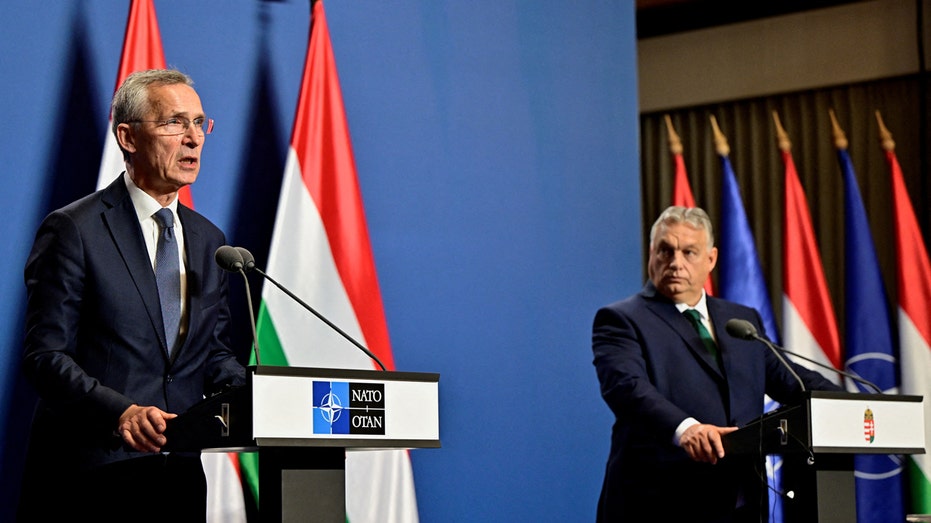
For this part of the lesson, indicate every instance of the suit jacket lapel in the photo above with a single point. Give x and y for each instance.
(666, 309)
(194, 263)
(120, 218)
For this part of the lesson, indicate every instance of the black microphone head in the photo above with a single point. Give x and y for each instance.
(229, 259)
(248, 261)
(742, 329)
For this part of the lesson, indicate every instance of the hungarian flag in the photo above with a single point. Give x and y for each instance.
(809, 326)
(320, 250)
(869, 345)
(741, 280)
(142, 50)
(681, 189)
(914, 289)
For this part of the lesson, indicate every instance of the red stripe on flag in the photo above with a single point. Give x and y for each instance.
(142, 44)
(324, 150)
(914, 267)
(681, 189)
(805, 284)
(682, 197)
(234, 460)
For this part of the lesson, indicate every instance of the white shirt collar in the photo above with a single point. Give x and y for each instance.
(144, 204)
(701, 306)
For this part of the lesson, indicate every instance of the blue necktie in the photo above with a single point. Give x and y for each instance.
(168, 276)
(695, 318)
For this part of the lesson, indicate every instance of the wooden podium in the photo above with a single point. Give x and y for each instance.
(302, 421)
(817, 440)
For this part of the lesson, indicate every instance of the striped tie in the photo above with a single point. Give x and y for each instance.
(694, 318)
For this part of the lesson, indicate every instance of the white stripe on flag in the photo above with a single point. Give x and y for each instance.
(111, 163)
(379, 484)
(300, 259)
(225, 500)
(916, 378)
(796, 337)
(386, 472)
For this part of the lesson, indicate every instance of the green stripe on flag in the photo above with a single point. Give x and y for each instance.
(920, 489)
(249, 465)
(270, 351)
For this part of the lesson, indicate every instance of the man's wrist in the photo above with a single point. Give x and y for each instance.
(680, 430)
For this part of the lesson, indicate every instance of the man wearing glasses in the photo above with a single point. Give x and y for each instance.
(127, 324)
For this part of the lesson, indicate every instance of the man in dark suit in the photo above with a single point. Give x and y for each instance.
(677, 384)
(127, 324)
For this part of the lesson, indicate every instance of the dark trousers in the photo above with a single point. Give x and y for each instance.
(157, 487)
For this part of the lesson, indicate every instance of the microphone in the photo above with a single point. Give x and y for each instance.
(231, 259)
(249, 265)
(743, 329)
(248, 261)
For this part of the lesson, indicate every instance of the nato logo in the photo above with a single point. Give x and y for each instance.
(341, 407)
(329, 398)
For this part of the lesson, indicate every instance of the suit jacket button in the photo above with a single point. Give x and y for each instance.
(169, 379)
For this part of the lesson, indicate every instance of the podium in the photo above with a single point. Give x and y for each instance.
(302, 421)
(817, 440)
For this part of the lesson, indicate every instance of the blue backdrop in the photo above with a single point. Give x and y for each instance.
(497, 150)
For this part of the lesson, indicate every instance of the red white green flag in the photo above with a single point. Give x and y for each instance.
(914, 290)
(809, 325)
(320, 250)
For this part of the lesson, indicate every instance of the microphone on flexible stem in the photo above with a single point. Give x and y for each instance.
(231, 259)
(249, 265)
(248, 262)
(745, 330)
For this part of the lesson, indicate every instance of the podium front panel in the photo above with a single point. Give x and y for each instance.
(349, 409)
(869, 423)
(833, 422)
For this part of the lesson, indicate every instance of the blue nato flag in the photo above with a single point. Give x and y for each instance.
(870, 354)
(740, 279)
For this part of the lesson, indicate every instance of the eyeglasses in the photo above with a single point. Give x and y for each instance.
(180, 124)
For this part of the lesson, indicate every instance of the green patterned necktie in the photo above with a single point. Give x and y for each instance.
(694, 318)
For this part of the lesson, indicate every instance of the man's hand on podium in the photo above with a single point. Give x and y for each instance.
(702, 442)
(142, 428)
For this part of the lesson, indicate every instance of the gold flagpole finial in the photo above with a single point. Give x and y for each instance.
(840, 139)
(885, 137)
(720, 141)
(782, 137)
(675, 144)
